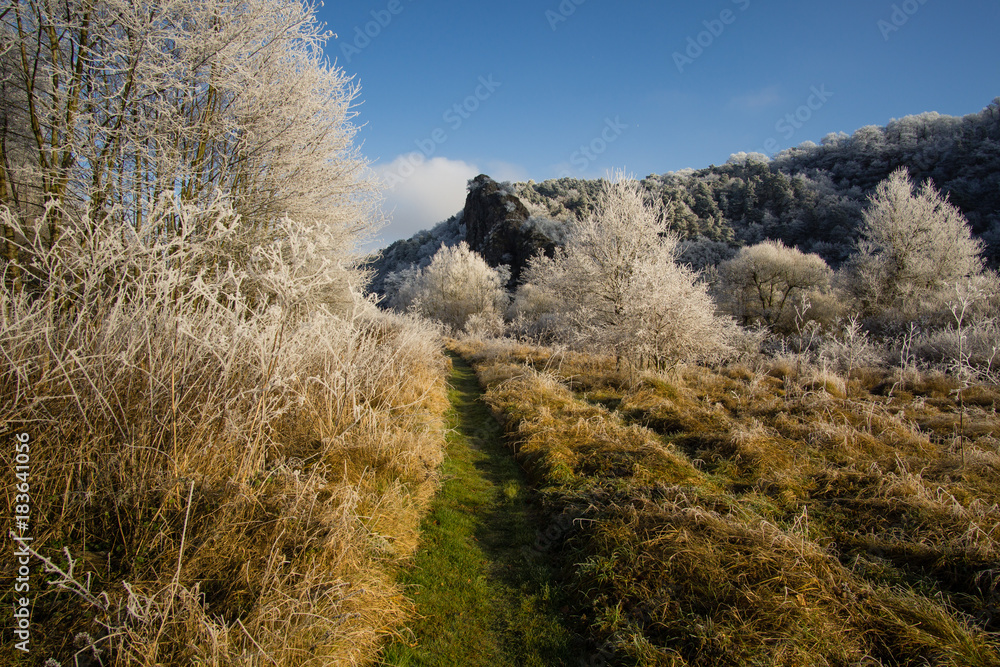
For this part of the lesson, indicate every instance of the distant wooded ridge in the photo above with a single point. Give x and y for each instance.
(810, 197)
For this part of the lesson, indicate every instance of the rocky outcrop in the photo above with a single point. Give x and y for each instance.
(498, 227)
(494, 222)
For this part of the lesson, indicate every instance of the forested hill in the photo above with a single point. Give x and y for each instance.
(810, 196)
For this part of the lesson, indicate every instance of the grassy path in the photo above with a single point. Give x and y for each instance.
(480, 599)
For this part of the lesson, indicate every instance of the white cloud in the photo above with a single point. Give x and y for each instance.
(505, 171)
(420, 193)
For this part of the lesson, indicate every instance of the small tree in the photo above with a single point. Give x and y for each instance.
(763, 280)
(618, 287)
(456, 285)
(914, 243)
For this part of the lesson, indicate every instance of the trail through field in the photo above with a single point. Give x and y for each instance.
(482, 597)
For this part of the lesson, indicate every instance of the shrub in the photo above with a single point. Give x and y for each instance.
(763, 281)
(457, 285)
(914, 245)
(617, 286)
(208, 443)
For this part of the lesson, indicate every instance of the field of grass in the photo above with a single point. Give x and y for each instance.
(216, 481)
(766, 513)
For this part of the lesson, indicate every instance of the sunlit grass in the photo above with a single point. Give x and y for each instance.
(213, 480)
(763, 515)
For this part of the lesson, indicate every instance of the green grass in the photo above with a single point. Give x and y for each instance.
(479, 599)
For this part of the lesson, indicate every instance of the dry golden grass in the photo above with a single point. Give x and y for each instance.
(221, 523)
(214, 480)
(763, 514)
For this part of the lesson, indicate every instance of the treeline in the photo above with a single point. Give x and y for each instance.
(812, 196)
(820, 242)
(619, 285)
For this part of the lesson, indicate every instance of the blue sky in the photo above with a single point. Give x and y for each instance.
(547, 88)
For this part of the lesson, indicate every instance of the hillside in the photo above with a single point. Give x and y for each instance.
(810, 196)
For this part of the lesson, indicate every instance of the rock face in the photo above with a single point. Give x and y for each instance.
(498, 228)
(495, 224)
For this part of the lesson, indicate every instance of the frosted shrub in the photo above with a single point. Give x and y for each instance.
(850, 348)
(158, 378)
(530, 303)
(618, 287)
(484, 325)
(763, 282)
(219, 421)
(455, 286)
(914, 245)
(970, 347)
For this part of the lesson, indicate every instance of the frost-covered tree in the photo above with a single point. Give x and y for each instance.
(457, 285)
(618, 287)
(111, 104)
(914, 244)
(763, 281)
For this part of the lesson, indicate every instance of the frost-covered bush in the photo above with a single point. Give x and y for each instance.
(415, 251)
(914, 246)
(767, 280)
(207, 394)
(484, 325)
(970, 345)
(851, 348)
(617, 287)
(531, 302)
(456, 285)
(978, 344)
(160, 378)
